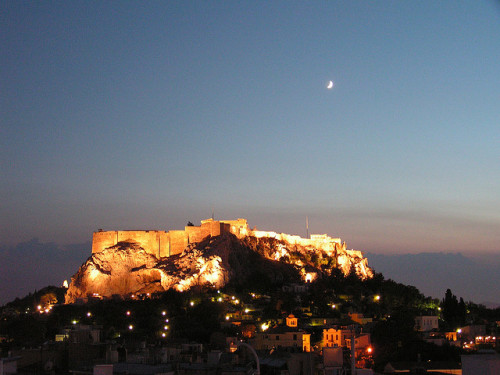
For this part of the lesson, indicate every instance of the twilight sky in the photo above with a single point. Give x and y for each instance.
(134, 115)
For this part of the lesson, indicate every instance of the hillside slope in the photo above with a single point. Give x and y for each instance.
(127, 268)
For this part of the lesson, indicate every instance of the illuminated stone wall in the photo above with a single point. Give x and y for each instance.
(149, 239)
(164, 244)
(103, 239)
(164, 239)
(178, 241)
(161, 243)
(167, 243)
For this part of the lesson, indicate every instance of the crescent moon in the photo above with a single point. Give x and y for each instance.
(330, 85)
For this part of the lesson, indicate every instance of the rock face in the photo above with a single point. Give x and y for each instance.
(127, 268)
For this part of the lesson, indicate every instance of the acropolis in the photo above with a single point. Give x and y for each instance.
(167, 243)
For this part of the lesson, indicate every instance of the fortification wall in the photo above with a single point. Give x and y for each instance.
(103, 239)
(164, 244)
(318, 241)
(149, 239)
(197, 234)
(238, 227)
(164, 240)
(178, 241)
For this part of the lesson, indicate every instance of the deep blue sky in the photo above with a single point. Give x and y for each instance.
(144, 115)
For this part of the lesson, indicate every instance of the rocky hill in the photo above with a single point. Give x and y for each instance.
(127, 268)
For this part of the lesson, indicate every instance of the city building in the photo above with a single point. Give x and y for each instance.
(425, 323)
(333, 337)
(288, 337)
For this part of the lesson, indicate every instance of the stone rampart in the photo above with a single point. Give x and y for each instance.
(167, 243)
(161, 243)
(149, 239)
(103, 239)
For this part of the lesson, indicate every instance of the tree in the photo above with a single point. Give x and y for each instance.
(461, 312)
(451, 312)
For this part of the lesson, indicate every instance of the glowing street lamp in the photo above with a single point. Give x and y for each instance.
(130, 327)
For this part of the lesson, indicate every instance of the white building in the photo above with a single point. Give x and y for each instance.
(426, 323)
